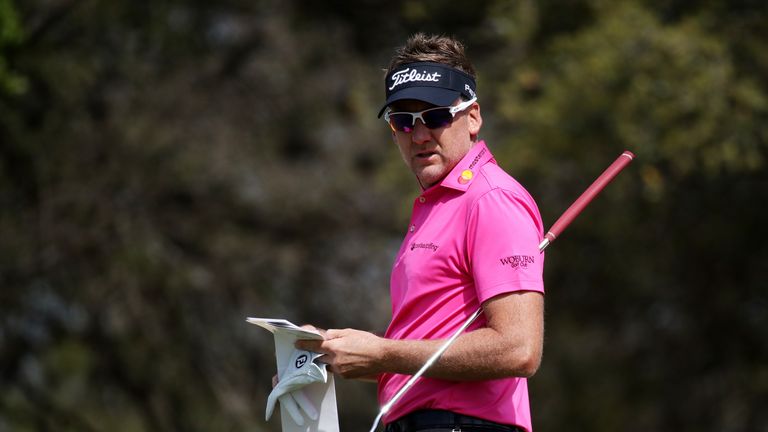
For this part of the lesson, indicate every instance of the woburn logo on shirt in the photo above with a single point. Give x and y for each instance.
(517, 261)
(431, 246)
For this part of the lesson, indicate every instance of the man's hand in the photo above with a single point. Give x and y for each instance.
(349, 353)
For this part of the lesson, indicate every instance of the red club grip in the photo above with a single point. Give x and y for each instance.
(622, 161)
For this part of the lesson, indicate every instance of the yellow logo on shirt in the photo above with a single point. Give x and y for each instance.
(466, 176)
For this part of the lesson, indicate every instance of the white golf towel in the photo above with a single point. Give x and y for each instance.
(305, 389)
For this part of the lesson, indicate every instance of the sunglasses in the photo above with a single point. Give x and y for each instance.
(433, 118)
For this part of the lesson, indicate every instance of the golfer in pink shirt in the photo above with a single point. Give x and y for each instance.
(472, 241)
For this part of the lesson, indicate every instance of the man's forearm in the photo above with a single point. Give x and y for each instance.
(509, 345)
(479, 355)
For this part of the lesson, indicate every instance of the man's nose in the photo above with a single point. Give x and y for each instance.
(421, 133)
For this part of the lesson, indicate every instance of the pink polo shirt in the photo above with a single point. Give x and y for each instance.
(471, 237)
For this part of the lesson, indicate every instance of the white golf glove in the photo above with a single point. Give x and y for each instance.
(301, 371)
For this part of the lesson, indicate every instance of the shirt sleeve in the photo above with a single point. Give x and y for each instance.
(503, 235)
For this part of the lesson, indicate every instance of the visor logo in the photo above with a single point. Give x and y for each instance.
(409, 75)
(469, 90)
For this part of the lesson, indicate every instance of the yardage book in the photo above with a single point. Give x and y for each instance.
(278, 324)
(322, 395)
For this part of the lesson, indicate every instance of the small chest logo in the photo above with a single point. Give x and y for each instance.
(517, 261)
(430, 246)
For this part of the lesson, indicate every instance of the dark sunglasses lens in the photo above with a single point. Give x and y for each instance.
(401, 122)
(437, 118)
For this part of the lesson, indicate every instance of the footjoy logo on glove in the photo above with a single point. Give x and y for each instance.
(301, 361)
(517, 261)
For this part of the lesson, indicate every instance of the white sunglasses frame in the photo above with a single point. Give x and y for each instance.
(453, 110)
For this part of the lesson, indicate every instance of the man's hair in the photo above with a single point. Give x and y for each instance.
(432, 48)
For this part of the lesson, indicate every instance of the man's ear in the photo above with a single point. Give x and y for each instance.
(475, 120)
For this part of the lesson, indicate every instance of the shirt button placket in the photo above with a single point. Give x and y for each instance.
(421, 200)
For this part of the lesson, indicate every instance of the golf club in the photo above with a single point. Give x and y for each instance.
(559, 226)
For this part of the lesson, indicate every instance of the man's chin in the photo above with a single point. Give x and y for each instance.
(428, 178)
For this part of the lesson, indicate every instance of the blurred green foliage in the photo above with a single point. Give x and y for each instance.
(169, 168)
(10, 36)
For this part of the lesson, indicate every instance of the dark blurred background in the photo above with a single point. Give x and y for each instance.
(168, 168)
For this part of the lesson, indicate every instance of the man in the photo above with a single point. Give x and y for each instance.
(472, 242)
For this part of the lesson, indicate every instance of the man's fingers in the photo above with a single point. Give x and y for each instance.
(310, 345)
(322, 346)
(310, 327)
(334, 333)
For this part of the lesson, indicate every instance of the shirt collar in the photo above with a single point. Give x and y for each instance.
(465, 172)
